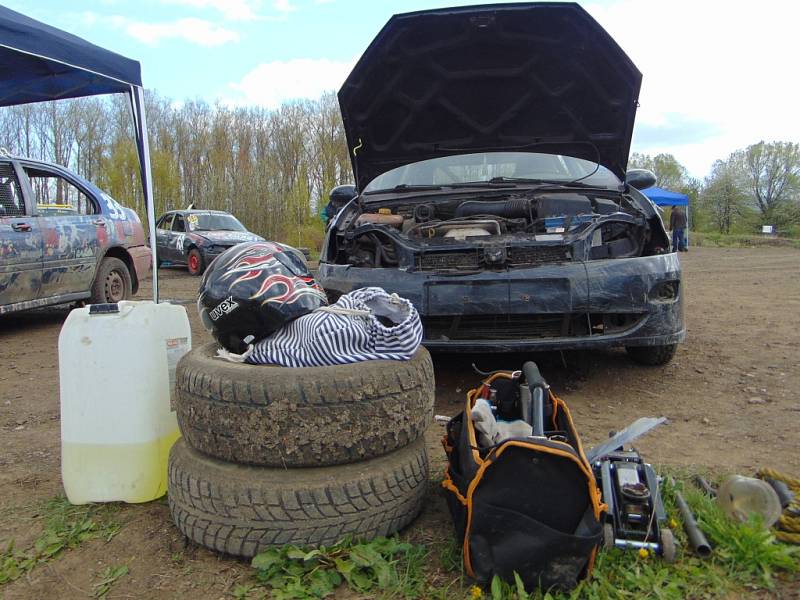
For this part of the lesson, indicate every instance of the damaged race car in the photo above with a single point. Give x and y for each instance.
(489, 147)
(63, 239)
(196, 237)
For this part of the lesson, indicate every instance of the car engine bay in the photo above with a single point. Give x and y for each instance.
(492, 230)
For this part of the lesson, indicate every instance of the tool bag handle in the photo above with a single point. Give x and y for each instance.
(533, 408)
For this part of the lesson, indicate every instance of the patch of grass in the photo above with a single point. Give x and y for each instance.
(65, 526)
(382, 568)
(108, 578)
(721, 240)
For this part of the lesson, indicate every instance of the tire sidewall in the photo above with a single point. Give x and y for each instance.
(108, 265)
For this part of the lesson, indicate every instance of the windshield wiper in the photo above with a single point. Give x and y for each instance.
(405, 187)
(567, 183)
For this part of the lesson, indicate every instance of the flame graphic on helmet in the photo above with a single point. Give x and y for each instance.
(255, 259)
(251, 261)
(294, 288)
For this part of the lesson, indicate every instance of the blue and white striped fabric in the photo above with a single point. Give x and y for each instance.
(348, 331)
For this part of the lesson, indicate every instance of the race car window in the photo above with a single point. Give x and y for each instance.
(178, 224)
(11, 204)
(55, 196)
(165, 222)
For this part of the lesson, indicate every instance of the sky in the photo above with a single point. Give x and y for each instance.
(717, 76)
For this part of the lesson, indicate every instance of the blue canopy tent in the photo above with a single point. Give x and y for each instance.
(39, 62)
(663, 197)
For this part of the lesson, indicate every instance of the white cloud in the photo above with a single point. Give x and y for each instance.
(196, 31)
(283, 6)
(231, 10)
(728, 67)
(270, 84)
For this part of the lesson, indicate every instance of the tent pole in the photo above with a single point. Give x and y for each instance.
(140, 121)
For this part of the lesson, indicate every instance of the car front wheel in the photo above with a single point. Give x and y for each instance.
(112, 283)
(195, 262)
(652, 356)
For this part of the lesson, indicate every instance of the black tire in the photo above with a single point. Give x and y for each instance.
(112, 282)
(242, 510)
(195, 262)
(309, 417)
(652, 356)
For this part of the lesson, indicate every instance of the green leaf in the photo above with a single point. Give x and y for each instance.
(295, 554)
(521, 592)
(264, 560)
(345, 567)
(497, 588)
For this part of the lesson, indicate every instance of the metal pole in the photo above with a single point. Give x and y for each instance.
(140, 121)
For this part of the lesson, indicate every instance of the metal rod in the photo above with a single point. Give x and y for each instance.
(697, 539)
(625, 544)
(705, 486)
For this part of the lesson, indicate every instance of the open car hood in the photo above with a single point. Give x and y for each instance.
(544, 77)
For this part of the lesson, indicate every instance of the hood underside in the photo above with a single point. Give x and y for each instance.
(544, 77)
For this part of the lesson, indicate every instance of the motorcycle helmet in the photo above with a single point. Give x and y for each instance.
(252, 290)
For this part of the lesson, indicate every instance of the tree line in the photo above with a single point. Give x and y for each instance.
(754, 186)
(273, 168)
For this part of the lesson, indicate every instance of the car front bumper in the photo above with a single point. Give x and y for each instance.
(601, 303)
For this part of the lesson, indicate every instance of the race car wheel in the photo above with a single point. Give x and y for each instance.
(112, 282)
(309, 417)
(195, 262)
(243, 510)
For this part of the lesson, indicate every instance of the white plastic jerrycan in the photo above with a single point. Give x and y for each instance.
(117, 370)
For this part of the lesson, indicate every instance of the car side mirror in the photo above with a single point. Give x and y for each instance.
(640, 178)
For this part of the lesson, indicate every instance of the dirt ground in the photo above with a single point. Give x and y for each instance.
(731, 397)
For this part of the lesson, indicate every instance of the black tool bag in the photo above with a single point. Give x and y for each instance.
(526, 505)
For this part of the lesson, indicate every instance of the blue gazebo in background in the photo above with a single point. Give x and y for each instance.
(663, 197)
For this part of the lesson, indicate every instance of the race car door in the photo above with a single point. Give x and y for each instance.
(20, 243)
(162, 237)
(73, 231)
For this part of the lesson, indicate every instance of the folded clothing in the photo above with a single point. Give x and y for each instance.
(366, 324)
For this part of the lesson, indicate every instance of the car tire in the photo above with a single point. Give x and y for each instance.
(309, 417)
(112, 282)
(652, 356)
(243, 510)
(195, 262)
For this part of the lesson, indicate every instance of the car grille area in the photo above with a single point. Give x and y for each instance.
(525, 256)
(498, 327)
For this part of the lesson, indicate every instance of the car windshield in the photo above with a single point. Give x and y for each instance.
(495, 167)
(213, 222)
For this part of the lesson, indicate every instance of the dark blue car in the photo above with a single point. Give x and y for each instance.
(196, 237)
(489, 148)
(62, 239)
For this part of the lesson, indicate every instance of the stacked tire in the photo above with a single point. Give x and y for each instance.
(272, 456)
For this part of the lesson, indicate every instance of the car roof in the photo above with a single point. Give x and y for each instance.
(34, 161)
(190, 211)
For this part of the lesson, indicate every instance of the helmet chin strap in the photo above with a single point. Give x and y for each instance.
(233, 357)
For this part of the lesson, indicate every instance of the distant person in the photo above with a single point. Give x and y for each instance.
(677, 224)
